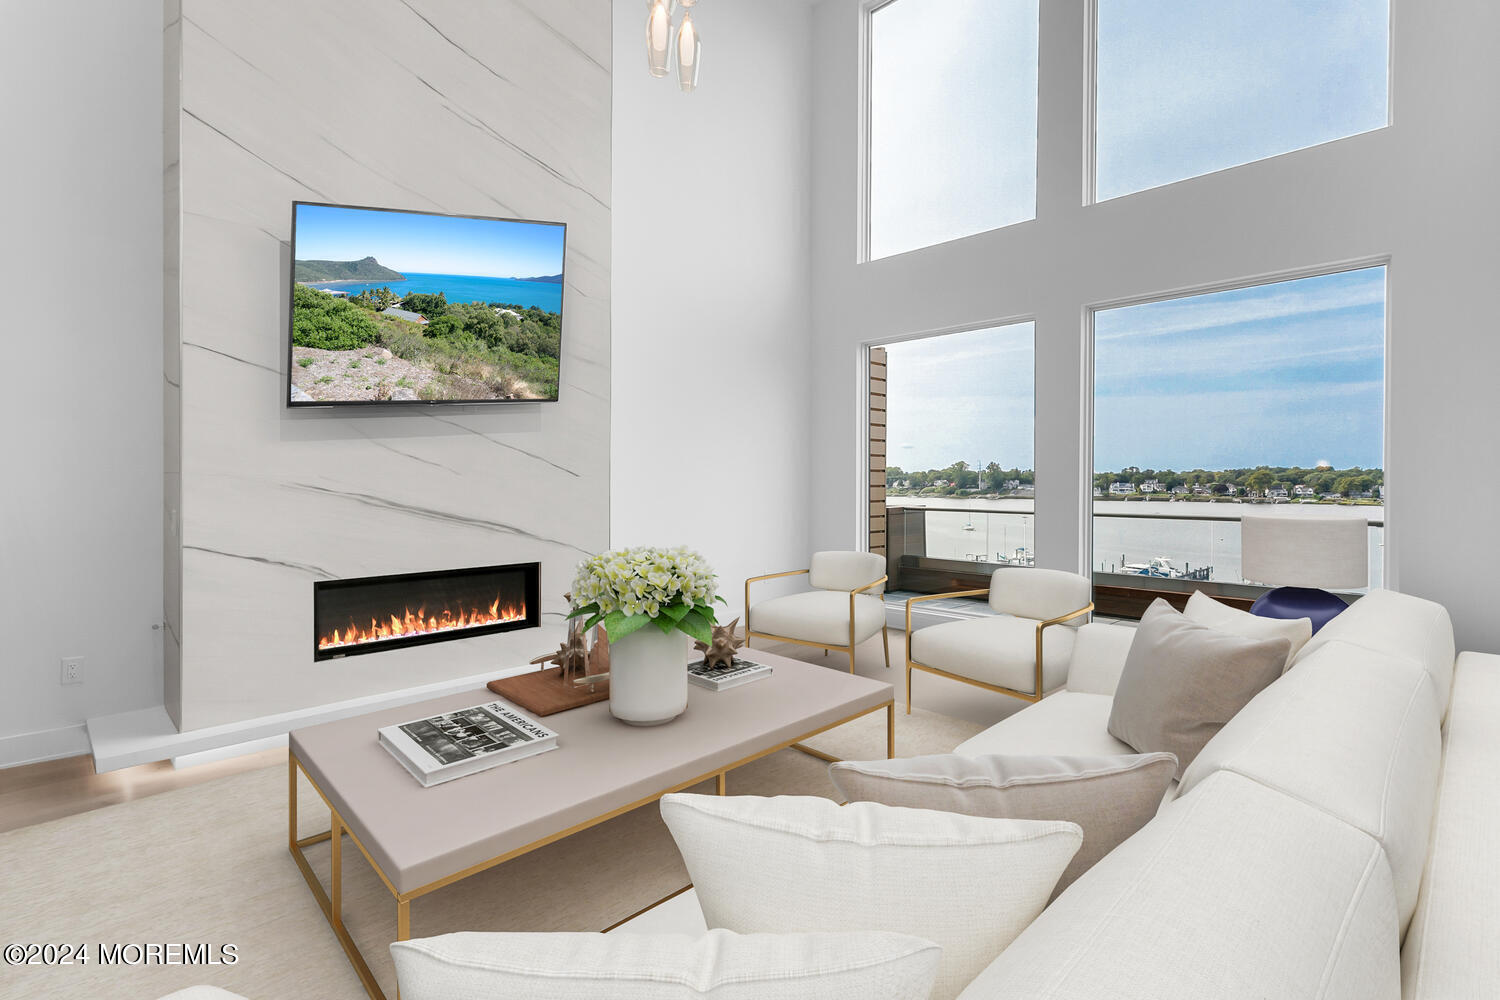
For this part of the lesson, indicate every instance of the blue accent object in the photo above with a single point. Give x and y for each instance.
(1299, 602)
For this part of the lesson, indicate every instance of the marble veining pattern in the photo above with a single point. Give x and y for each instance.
(436, 105)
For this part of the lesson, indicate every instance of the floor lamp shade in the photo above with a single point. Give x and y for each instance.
(1300, 556)
(1290, 551)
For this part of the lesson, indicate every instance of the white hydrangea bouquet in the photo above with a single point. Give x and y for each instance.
(628, 589)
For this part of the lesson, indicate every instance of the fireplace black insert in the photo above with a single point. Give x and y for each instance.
(373, 613)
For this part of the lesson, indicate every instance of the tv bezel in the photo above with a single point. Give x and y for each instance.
(402, 404)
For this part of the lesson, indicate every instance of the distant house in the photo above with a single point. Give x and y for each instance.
(1303, 491)
(1011, 484)
(1153, 486)
(1120, 489)
(410, 317)
(1276, 492)
(1333, 496)
(1202, 491)
(335, 292)
(1232, 490)
(901, 484)
(1098, 492)
(1180, 491)
(941, 482)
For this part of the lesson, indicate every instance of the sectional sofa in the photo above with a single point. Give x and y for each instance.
(1337, 839)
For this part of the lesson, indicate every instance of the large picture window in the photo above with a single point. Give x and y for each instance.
(1183, 89)
(952, 120)
(1210, 406)
(960, 427)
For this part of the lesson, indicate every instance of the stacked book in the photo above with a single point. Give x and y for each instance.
(717, 678)
(443, 747)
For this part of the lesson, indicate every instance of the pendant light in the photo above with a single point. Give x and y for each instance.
(659, 38)
(664, 46)
(689, 48)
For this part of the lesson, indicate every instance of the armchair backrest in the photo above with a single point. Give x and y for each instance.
(1028, 592)
(846, 570)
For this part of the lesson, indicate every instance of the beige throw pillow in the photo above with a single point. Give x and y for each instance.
(1182, 681)
(798, 863)
(1206, 611)
(1109, 797)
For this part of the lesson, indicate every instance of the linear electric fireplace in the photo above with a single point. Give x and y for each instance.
(386, 612)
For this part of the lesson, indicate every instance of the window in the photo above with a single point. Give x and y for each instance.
(1209, 404)
(959, 425)
(1183, 89)
(952, 120)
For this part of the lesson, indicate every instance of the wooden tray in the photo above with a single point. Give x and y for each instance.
(544, 693)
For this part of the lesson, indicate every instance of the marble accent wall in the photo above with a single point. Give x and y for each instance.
(499, 108)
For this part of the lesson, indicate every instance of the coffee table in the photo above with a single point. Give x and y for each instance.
(421, 839)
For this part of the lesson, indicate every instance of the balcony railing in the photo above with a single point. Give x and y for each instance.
(931, 548)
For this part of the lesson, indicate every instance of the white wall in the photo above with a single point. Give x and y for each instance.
(1421, 192)
(81, 256)
(711, 293)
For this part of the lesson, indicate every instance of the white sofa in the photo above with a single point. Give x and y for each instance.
(1333, 819)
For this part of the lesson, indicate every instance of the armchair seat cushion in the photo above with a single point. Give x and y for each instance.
(820, 616)
(1000, 650)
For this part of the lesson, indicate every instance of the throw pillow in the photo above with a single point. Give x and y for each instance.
(1182, 681)
(798, 863)
(1206, 611)
(1109, 797)
(720, 964)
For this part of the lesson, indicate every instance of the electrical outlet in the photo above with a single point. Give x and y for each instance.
(72, 670)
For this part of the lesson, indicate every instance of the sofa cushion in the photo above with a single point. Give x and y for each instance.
(1182, 681)
(1206, 611)
(797, 863)
(846, 570)
(719, 964)
(1353, 732)
(820, 616)
(1110, 798)
(1028, 592)
(1099, 653)
(996, 649)
(1236, 892)
(1066, 724)
(1450, 951)
(1396, 623)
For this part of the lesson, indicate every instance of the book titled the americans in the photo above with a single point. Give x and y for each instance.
(443, 747)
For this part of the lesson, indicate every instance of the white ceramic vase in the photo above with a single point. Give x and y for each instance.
(648, 676)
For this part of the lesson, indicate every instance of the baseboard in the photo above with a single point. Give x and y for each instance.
(48, 744)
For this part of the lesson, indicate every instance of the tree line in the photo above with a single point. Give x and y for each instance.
(960, 477)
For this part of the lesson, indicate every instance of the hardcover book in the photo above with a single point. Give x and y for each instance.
(443, 747)
(741, 671)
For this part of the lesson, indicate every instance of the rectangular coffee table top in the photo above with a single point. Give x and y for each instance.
(420, 835)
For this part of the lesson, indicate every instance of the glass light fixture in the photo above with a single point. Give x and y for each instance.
(689, 48)
(659, 38)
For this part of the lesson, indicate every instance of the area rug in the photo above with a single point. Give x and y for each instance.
(208, 865)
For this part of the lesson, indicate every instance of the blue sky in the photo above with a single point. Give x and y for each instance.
(967, 396)
(1287, 373)
(430, 244)
(1290, 373)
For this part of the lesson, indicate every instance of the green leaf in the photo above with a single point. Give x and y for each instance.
(675, 612)
(664, 623)
(697, 625)
(587, 609)
(618, 625)
(594, 619)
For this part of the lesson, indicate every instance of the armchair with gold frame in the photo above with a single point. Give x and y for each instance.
(844, 608)
(1011, 652)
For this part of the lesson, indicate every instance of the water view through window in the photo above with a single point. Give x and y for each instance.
(1209, 406)
(960, 421)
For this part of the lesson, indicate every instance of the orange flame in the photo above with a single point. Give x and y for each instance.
(419, 622)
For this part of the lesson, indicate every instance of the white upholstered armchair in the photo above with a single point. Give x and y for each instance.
(1017, 651)
(844, 608)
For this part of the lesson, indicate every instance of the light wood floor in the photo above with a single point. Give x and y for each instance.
(36, 793)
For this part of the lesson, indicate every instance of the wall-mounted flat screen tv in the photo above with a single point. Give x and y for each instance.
(392, 307)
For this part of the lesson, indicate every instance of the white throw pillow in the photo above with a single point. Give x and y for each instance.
(720, 964)
(796, 863)
(1206, 611)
